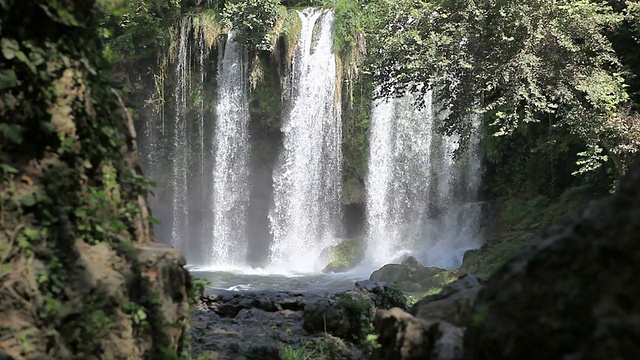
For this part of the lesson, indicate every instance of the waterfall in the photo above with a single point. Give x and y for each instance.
(180, 154)
(230, 171)
(307, 179)
(420, 201)
(200, 161)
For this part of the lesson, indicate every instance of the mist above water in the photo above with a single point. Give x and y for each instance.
(420, 201)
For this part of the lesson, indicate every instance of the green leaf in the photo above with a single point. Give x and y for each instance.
(8, 79)
(80, 212)
(23, 242)
(22, 57)
(12, 132)
(8, 169)
(28, 200)
(32, 234)
(9, 48)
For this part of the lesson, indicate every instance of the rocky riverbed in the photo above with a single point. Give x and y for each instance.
(330, 324)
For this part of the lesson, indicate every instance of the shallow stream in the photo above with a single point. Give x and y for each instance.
(259, 279)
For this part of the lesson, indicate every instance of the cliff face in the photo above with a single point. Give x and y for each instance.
(80, 273)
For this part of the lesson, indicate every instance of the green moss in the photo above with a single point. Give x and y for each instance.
(359, 312)
(485, 261)
(518, 222)
(290, 31)
(209, 21)
(265, 99)
(443, 278)
(345, 255)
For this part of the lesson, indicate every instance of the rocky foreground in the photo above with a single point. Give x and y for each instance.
(333, 324)
(573, 295)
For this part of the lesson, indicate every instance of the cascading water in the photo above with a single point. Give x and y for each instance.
(420, 201)
(230, 175)
(307, 180)
(201, 165)
(180, 154)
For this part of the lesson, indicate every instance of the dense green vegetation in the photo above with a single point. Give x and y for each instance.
(516, 62)
(72, 210)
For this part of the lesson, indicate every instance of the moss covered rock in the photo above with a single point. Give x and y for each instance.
(411, 276)
(345, 256)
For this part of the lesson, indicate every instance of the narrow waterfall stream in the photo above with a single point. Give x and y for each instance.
(307, 181)
(420, 201)
(230, 196)
(180, 151)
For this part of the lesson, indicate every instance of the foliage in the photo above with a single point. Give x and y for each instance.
(326, 347)
(68, 181)
(135, 29)
(306, 3)
(348, 30)
(197, 289)
(515, 61)
(209, 21)
(290, 31)
(254, 20)
(393, 297)
(356, 115)
(358, 308)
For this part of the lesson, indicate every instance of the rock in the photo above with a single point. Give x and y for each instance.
(167, 282)
(346, 316)
(402, 336)
(324, 315)
(411, 276)
(573, 295)
(384, 296)
(453, 304)
(411, 262)
(392, 273)
(344, 256)
(232, 324)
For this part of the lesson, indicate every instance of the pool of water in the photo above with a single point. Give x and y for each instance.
(258, 279)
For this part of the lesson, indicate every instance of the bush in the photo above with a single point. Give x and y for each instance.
(254, 20)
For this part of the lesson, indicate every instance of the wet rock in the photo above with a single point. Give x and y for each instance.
(344, 256)
(573, 295)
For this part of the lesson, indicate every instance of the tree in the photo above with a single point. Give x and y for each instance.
(514, 61)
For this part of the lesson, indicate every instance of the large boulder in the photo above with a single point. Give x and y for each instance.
(344, 256)
(453, 304)
(346, 315)
(573, 295)
(411, 276)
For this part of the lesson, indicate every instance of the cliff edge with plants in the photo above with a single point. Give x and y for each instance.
(81, 275)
